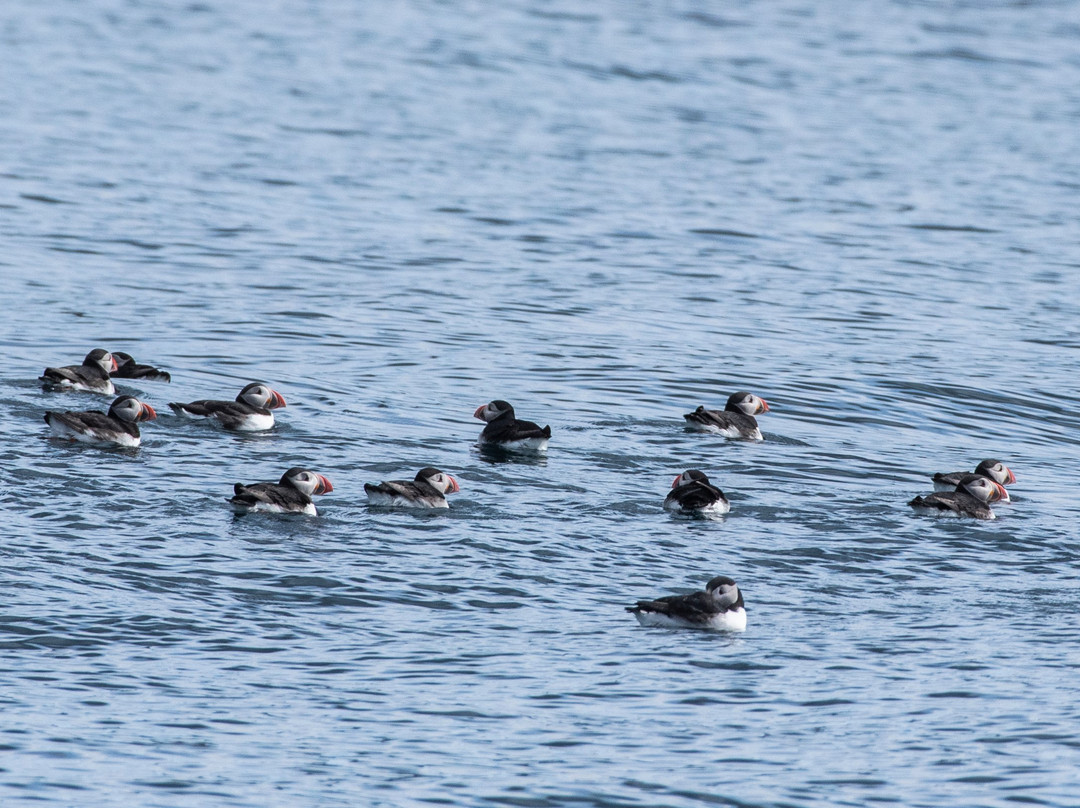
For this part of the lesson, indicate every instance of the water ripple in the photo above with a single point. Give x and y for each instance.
(607, 218)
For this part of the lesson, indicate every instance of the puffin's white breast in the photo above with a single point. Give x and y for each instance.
(397, 501)
(118, 438)
(255, 422)
(724, 621)
(267, 507)
(523, 445)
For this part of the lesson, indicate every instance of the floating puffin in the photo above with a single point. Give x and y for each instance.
(92, 376)
(291, 494)
(507, 432)
(118, 427)
(719, 607)
(250, 412)
(994, 469)
(736, 420)
(428, 489)
(691, 492)
(128, 368)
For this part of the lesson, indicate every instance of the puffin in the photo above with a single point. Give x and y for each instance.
(128, 368)
(250, 412)
(735, 421)
(691, 492)
(720, 607)
(972, 497)
(994, 469)
(291, 494)
(507, 432)
(92, 376)
(118, 427)
(428, 489)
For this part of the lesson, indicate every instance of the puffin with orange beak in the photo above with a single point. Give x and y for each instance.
(291, 494)
(428, 489)
(994, 469)
(504, 431)
(736, 420)
(250, 412)
(118, 427)
(972, 497)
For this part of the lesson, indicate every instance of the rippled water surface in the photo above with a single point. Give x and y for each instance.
(608, 214)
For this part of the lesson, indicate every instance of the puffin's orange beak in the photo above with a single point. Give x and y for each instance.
(479, 412)
(1012, 477)
(764, 406)
(147, 413)
(675, 482)
(114, 365)
(276, 400)
(454, 487)
(1000, 492)
(324, 486)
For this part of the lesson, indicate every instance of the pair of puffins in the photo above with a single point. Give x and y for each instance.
(969, 494)
(294, 491)
(429, 488)
(120, 425)
(98, 369)
(505, 431)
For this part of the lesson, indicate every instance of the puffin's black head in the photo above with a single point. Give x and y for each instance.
(305, 481)
(260, 395)
(996, 471)
(746, 403)
(691, 476)
(440, 480)
(100, 358)
(495, 409)
(725, 591)
(122, 358)
(982, 488)
(130, 409)
(287, 477)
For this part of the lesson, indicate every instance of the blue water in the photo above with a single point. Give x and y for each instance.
(606, 214)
